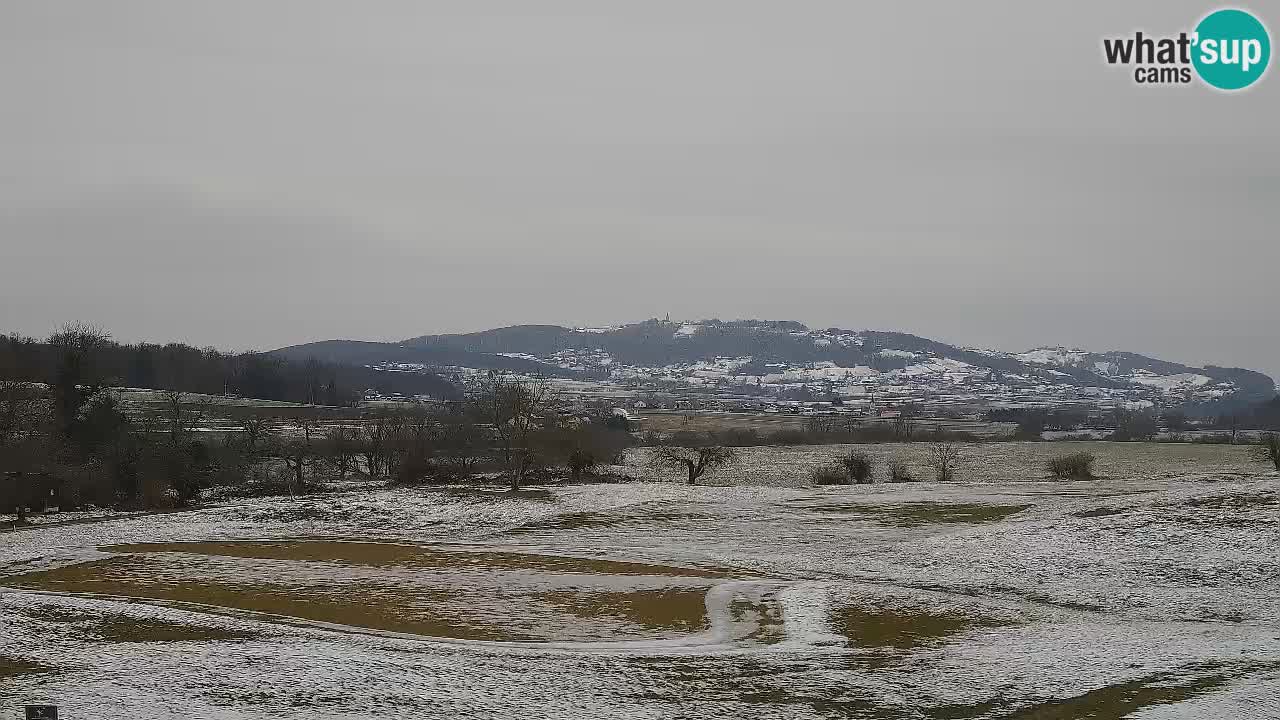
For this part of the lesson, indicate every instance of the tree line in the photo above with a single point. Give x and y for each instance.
(512, 430)
(176, 366)
(1125, 424)
(67, 439)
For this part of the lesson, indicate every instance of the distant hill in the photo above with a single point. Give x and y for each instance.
(358, 352)
(781, 352)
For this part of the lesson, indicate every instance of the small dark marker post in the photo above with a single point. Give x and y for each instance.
(42, 712)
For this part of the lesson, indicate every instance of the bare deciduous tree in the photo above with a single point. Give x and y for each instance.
(414, 441)
(177, 455)
(944, 457)
(904, 425)
(515, 409)
(375, 438)
(1269, 449)
(181, 418)
(339, 449)
(1136, 425)
(460, 443)
(255, 433)
(256, 436)
(298, 451)
(696, 461)
(76, 378)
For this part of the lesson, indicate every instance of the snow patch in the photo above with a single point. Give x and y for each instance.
(1058, 356)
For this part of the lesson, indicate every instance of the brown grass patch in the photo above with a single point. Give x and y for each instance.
(675, 609)
(490, 595)
(14, 667)
(374, 554)
(903, 629)
(927, 513)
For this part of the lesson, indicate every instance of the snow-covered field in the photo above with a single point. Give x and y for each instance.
(1151, 593)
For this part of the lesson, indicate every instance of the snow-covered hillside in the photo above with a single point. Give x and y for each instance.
(777, 362)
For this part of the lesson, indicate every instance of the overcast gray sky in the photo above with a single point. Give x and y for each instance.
(256, 174)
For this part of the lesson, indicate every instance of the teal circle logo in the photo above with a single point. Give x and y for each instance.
(1232, 49)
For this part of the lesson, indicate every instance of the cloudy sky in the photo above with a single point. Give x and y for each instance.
(256, 174)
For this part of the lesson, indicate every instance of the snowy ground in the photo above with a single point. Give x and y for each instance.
(1145, 594)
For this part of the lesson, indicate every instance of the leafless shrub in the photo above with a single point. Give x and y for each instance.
(858, 466)
(899, 472)
(833, 474)
(1072, 466)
